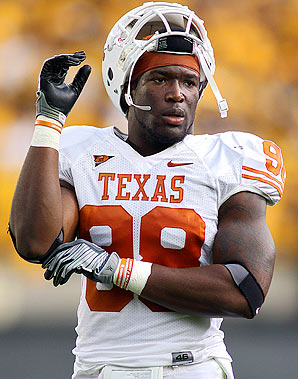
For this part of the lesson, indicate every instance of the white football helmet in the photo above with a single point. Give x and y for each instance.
(125, 44)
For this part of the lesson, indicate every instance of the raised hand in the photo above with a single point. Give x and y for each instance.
(55, 97)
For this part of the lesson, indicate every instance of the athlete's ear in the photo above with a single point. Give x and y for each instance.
(123, 103)
(202, 86)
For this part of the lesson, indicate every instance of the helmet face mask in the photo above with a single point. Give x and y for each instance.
(152, 27)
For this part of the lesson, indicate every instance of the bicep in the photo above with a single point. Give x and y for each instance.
(70, 211)
(244, 237)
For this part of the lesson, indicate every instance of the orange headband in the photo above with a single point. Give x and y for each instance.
(150, 60)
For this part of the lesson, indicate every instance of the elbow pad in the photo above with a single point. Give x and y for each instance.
(58, 241)
(248, 285)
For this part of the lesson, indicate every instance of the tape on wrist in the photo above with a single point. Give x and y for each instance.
(46, 133)
(132, 275)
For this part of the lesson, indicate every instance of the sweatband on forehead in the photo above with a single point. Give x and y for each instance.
(150, 60)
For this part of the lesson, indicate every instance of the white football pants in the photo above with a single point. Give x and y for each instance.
(211, 369)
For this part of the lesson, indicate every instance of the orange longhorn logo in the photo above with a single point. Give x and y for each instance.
(98, 159)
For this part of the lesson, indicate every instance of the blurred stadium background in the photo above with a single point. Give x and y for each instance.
(255, 44)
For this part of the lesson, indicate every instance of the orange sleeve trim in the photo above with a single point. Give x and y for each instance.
(56, 127)
(263, 173)
(264, 181)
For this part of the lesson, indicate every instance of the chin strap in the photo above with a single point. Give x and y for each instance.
(130, 102)
(128, 97)
(221, 102)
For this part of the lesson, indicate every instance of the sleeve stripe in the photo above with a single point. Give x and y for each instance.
(264, 181)
(263, 173)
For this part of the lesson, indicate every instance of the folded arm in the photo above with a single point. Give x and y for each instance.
(243, 237)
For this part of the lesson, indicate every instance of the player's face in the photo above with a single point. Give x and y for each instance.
(172, 92)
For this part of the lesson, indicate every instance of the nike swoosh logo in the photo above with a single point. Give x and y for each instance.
(172, 164)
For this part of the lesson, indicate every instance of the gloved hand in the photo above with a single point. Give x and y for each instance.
(55, 98)
(81, 257)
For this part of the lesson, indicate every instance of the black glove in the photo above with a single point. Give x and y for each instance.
(55, 98)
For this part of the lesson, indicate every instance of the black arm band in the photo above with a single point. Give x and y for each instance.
(58, 241)
(248, 285)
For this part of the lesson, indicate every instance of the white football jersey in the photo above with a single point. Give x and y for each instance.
(163, 209)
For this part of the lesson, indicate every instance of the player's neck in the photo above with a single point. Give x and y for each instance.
(147, 149)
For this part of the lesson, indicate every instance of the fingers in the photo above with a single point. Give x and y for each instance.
(60, 275)
(55, 69)
(57, 263)
(67, 59)
(48, 274)
(60, 269)
(79, 256)
(80, 79)
(59, 97)
(65, 262)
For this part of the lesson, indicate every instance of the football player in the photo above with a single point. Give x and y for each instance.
(167, 228)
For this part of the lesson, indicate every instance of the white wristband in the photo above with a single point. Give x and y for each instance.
(46, 133)
(132, 275)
